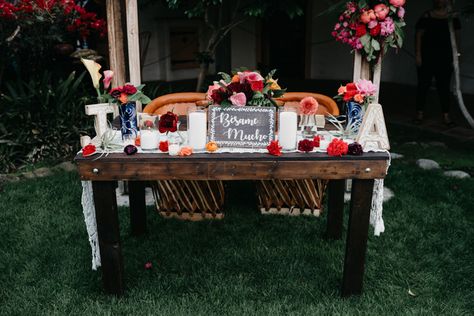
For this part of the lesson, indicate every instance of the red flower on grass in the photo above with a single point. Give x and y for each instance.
(274, 148)
(337, 147)
(306, 145)
(168, 123)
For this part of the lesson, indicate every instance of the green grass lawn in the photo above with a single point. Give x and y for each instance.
(247, 263)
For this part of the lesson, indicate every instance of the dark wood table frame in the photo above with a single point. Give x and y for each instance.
(140, 168)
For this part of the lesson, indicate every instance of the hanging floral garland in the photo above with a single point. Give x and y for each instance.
(371, 27)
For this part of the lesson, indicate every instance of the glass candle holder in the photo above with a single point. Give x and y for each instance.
(287, 128)
(197, 128)
(149, 135)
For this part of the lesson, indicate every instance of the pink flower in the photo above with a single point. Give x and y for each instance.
(401, 12)
(308, 106)
(388, 27)
(249, 76)
(238, 99)
(337, 26)
(367, 16)
(148, 266)
(341, 90)
(108, 74)
(397, 3)
(211, 88)
(366, 87)
(372, 24)
(381, 11)
(359, 98)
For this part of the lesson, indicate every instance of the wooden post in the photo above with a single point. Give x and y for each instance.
(335, 209)
(136, 191)
(109, 236)
(133, 44)
(358, 230)
(362, 71)
(116, 49)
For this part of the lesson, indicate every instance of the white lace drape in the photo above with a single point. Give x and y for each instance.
(88, 209)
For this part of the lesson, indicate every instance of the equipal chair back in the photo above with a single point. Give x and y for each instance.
(326, 104)
(179, 103)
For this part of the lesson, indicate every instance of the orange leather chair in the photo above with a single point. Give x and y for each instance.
(179, 103)
(326, 104)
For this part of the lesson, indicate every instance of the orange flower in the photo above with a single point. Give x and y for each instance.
(123, 98)
(359, 98)
(274, 84)
(341, 90)
(185, 151)
(235, 78)
(211, 147)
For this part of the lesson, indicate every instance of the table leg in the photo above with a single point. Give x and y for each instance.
(335, 209)
(109, 236)
(358, 230)
(136, 191)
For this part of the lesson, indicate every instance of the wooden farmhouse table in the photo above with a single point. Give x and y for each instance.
(143, 167)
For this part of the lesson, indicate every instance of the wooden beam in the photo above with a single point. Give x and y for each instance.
(115, 36)
(133, 41)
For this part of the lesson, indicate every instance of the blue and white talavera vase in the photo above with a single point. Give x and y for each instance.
(354, 115)
(128, 120)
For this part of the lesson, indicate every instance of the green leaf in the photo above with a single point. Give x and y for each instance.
(226, 104)
(227, 78)
(375, 44)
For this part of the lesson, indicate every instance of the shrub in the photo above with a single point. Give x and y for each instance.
(41, 119)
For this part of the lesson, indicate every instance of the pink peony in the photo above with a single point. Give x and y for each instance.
(308, 106)
(372, 24)
(108, 74)
(211, 89)
(366, 87)
(381, 11)
(249, 76)
(238, 99)
(388, 27)
(401, 12)
(397, 3)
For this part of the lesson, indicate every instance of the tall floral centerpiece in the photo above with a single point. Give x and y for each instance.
(245, 88)
(356, 96)
(125, 97)
(371, 27)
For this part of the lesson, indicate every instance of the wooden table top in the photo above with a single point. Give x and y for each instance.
(232, 166)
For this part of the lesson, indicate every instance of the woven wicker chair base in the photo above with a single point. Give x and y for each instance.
(189, 200)
(291, 197)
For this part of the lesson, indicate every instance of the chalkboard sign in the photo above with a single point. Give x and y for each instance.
(242, 127)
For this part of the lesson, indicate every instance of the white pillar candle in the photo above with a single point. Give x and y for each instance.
(149, 139)
(197, 129)
(173, 149)
(288, 125)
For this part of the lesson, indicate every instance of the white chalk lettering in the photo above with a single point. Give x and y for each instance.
(227, 119)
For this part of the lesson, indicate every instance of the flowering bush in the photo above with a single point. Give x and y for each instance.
(245, 88)
(362, 91)
(371, 27)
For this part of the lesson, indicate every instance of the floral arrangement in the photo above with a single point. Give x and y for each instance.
(371, 26)
(362, 91)
(245, 88)
(119, 95)
(168, 123)
(308, 106)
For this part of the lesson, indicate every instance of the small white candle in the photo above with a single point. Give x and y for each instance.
(288, 126)
(173, 149)
(149, 139)
(197, 129)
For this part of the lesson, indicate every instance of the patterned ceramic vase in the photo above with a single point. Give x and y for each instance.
(128, 120)
(354, 115)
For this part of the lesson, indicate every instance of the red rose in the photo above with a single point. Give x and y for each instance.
(168, 123)
(164, 146)
(219, 95)
(274, 148)
(351, 86)
(349, 95)
(115, 92)
(316, 140)
(88, 150)
(238, 87)
(376, 30)
(337, 147)
(361, 30)
(256, 85)
(305, 145)
(129, 89)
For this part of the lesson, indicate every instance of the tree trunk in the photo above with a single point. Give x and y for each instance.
(203, 71)
(457, 76)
